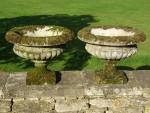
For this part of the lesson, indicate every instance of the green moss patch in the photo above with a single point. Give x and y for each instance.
(40, 76)
(110, 74)
(107, 77)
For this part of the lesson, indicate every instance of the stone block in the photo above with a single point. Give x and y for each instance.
(75, 77)
(35, 112)
(123, 91)
(47, 104)
(15, 86)
(70, 91)
(118, 102)
(95, 110)
(35, 92)
(109, 112)
(71, 105)
(128, 110)
(142, 76)
(147, 109)
(94, 91)
(26, 106)
(3, 78)
(5, 106)
(70, 97)
(53, 91)
(43, 105)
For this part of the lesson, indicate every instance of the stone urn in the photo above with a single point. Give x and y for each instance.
(39, 43)
(111, 43)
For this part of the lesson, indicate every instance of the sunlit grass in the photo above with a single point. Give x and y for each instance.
(133, 13)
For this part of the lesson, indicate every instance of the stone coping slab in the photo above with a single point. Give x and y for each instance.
(74, 83)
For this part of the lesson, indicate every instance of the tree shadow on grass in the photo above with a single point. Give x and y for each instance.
(146, 67)
(75, 49)
(77, 56)
(125, 68)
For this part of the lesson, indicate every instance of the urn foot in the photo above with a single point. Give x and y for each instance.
(110, 75)
(40, 75)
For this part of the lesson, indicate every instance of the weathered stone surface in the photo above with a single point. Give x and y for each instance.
(95, 110)
(128, 110)
(5, 106)
(82, 95)
(29, 105)
(118, 102)
(132, 88)
(15, 86)
(3, 79)
(47, 104)
(146, 92)
(71, 105)
(26, 106)
(71, 97)
(147, 109)
(35, 112)
(142, 77)
(94, 91)
(75, 77)
(118, 91)
(81, 86)
(73, 112)
(109, 112)
(35, 92)
(59, 98)
(70, 90)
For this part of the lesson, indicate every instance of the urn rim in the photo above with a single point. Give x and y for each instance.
(86, 36)
(17, 35)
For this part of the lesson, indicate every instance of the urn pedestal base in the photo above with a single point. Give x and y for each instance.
(39, 55)
(40, 75)
(110, 74)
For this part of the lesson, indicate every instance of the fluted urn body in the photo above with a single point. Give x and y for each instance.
(39, 43)
(111, 43)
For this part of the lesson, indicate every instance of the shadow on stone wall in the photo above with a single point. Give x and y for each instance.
(77, 54)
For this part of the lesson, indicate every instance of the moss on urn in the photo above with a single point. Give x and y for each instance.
(39, 43)
(41, 75)
(111, 43)
(18, 35)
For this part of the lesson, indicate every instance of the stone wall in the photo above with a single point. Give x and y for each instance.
(75, 93)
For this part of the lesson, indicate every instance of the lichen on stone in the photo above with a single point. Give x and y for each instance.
(32, 35)
(132, 37)
(40, 76)
(110, 74)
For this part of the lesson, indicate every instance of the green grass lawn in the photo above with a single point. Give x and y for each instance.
(74, 14)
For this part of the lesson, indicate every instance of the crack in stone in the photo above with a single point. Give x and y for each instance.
(11, 106)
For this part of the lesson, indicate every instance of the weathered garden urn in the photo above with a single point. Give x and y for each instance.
(111, 43)
(39, 43)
